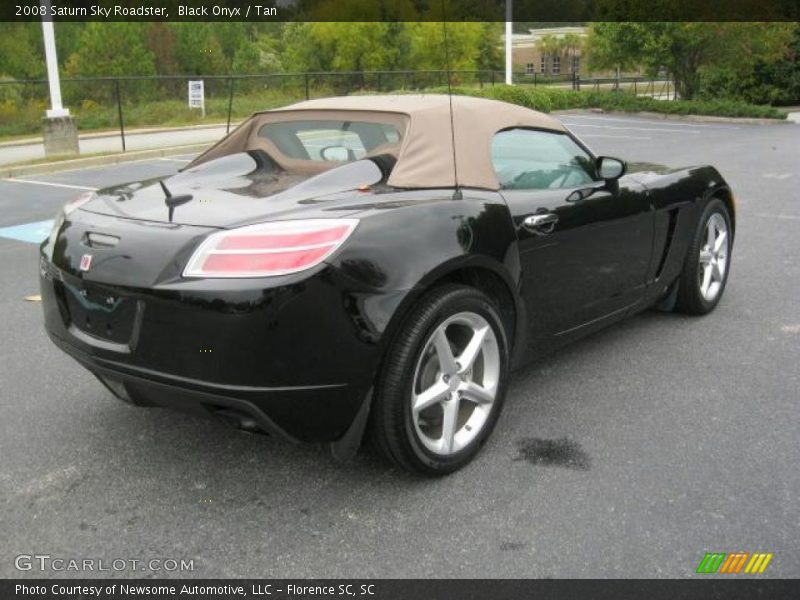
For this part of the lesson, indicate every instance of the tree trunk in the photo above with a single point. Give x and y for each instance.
(686, 84)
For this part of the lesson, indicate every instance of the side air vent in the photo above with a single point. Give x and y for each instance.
(673, 220)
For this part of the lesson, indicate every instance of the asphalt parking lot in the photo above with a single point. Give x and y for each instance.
(630, 454)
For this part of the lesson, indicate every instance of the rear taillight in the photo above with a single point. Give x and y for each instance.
(269, 249)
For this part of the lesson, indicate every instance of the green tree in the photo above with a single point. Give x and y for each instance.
(550, 46)
(10, 93)
(428, 50)
(320, 44)
(20, 53)
(160, 39)
(355, 46)
(198, 50)
(234, 37)
(573, 45)
(270, 52)
(337, 46)
(769, 82)
(246, 59)
(111, 49)
(68, 36)
(686, 50)
(780, 79)
(490, 54)
(303, 51)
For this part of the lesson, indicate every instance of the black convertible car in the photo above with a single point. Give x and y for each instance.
(376, 265)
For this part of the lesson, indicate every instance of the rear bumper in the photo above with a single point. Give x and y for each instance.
(292, 361)
(288, 413)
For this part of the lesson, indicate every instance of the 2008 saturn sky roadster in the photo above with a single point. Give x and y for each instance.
(374, 265)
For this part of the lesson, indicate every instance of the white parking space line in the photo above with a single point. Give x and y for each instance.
(183, 160)
(51, 184)
(122, 163)
(663, 129)
(781, 217)
(646, 122)
(621, 137)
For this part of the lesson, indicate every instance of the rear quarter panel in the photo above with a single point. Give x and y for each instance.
(408, 241)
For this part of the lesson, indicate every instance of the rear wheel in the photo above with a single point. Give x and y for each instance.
(705, 269)
(443, 382)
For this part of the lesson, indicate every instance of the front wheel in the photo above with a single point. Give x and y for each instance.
(707, 263)
(443, 382)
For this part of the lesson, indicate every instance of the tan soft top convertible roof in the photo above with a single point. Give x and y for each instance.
(425, 155)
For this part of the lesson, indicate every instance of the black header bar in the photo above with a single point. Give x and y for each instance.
(396, 589)
(546, 11)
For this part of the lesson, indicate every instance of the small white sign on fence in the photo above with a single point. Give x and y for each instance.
(197, 96)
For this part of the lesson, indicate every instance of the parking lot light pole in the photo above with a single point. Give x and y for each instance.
(509, 40)
(60, 133)
(56, 108)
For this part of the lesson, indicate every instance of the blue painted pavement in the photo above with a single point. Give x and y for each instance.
(34, 233)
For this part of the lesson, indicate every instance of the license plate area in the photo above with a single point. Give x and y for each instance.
(101, 313)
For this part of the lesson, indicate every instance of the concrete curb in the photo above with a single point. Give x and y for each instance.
(97, 161)
(669, 117)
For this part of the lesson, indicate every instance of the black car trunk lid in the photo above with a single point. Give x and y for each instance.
(236, 190)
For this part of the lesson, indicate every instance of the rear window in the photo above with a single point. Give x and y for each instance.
(329, 140)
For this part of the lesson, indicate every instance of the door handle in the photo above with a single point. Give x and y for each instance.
(541, 223)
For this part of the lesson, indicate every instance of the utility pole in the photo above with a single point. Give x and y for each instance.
(60, 133)
(509, 40)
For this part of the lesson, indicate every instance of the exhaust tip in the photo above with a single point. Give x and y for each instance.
(238, 420)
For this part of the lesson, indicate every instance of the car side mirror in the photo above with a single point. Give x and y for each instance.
(610, 169)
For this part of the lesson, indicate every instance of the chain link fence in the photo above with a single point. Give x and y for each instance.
(125, 103)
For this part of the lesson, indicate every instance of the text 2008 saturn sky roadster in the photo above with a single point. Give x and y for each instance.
(374, 265)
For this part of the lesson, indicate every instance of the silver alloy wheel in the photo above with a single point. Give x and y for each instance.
(455, 383)
(713, 257)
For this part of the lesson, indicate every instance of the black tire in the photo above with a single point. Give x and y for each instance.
(391, 429)
(690, 299)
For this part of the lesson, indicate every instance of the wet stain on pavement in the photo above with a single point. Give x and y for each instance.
(512, 546)
(561, 452)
